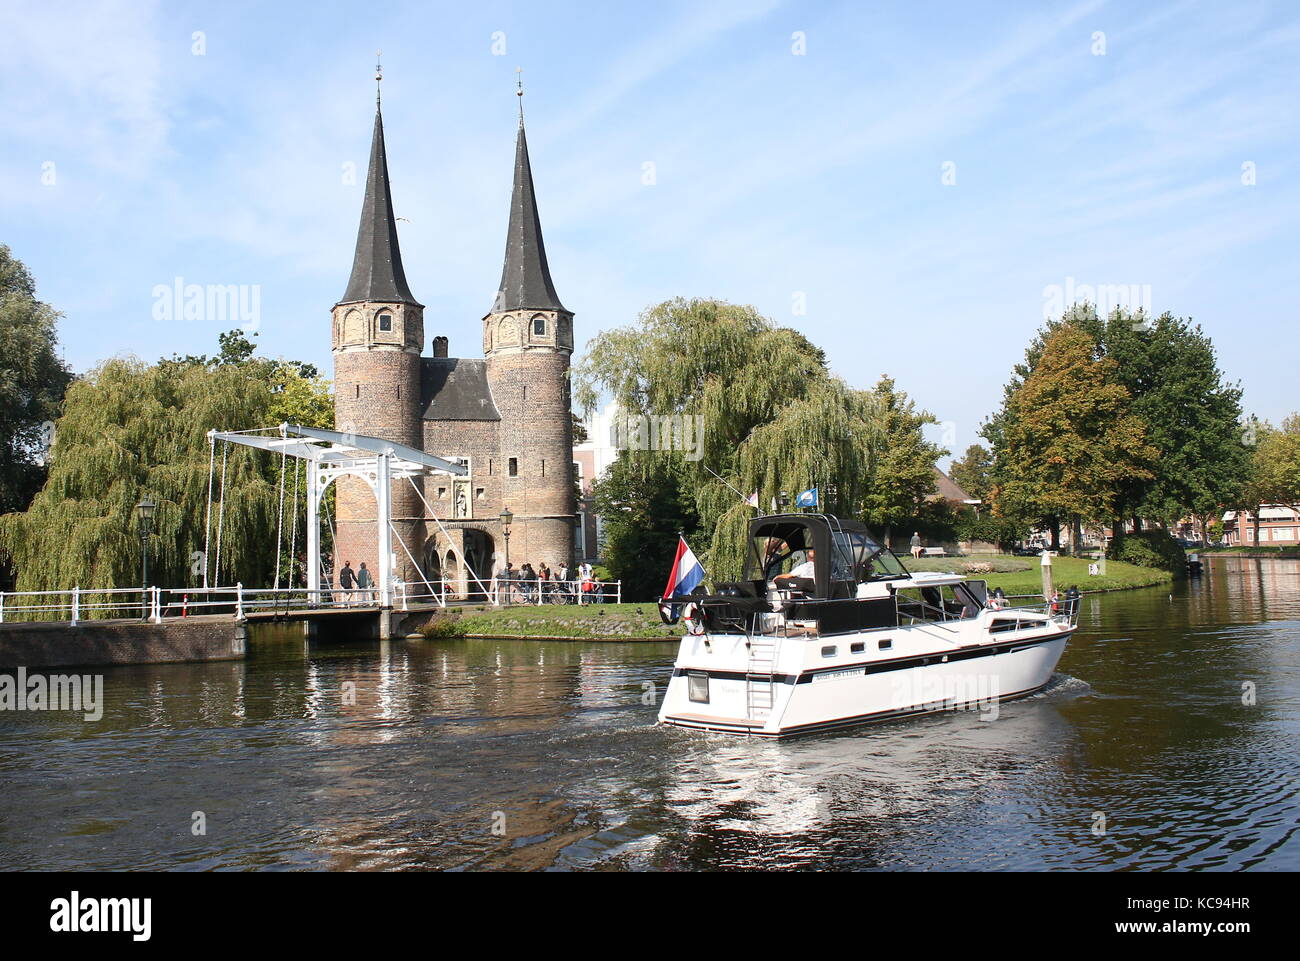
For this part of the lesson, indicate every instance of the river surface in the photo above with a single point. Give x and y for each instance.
(515, 755)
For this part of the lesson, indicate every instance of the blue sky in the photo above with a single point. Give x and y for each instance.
(1090, 143)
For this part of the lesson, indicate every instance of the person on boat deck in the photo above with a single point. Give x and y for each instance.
(799, 570)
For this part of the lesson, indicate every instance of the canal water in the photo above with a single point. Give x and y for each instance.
(1170, 739)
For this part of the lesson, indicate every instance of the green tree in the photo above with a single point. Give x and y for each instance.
(1067, 441)
(902, 471)
(973, 473)
(1170, 369)
(646, 503)
(129, 429)
(32, 383)
(1274, 475)
(775, 419)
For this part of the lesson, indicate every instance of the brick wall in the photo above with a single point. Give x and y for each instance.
(205, 638)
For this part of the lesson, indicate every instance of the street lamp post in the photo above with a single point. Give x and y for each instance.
(506, 518)
(144, 514)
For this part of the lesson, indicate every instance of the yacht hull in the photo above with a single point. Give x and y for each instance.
(811, 690)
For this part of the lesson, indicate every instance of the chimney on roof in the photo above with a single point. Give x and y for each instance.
(440, 347)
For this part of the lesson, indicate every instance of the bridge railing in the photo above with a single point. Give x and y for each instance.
(537, 591)
(80, 604)
(240, 600)
(156, 603)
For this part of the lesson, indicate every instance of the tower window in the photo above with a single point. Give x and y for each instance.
(539, 326)
(385, 321)
(514, 467)
(543, 466)
(358, 390)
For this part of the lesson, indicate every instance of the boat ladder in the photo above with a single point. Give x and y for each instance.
(760, 686)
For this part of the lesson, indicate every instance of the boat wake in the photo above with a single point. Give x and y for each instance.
(1063, 685)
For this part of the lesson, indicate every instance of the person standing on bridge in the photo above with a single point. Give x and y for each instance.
(347, 581)
(364, 583)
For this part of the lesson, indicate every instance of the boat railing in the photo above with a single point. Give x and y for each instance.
(1066, 613)
(780, 623)
(940, 613)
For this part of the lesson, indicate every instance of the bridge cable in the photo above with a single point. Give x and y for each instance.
(450, 542)
(414, 564)
(293, 539)
(221, 512)
(334, 540)
(207, 524)
(279, 524)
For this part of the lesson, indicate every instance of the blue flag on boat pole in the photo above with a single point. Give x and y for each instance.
(806, 498)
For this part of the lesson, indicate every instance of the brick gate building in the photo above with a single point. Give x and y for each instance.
(506, 415)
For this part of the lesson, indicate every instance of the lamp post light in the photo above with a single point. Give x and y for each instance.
(783, 500)
(144, 514)
(506, 518)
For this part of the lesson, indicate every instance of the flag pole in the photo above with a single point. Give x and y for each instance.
(719, 477)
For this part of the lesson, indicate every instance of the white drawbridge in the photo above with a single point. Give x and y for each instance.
(330, 455)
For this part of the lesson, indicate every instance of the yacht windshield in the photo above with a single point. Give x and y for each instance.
(780, 555)
(858, 557)
(885, 564)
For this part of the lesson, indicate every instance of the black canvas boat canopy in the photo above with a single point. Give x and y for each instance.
(845, 551)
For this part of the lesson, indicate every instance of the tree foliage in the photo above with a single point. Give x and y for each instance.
(1067, 442)
(32, 382)
(1169, 368)
(1274, 472)
(130, 429)
(645, 503)
(973, 472)
(775, 420)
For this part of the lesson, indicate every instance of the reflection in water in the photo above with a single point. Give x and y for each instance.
(408, 754)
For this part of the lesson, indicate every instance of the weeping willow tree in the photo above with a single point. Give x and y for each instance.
(129, 429)
(775, 419)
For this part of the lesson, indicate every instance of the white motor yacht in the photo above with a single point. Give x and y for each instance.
(829, 629)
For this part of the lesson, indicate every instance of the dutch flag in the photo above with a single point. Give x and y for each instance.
(686, 575)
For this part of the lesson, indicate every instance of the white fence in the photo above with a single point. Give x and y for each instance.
(156, 603)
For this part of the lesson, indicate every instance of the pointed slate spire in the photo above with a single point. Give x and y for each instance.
(377, 273)
(525, 277)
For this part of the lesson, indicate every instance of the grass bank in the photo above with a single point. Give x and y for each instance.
(596, 621)
(1022, 575)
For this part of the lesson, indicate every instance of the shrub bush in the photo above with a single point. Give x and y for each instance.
(1149, 549)
(443, 625)
(1003, 531)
